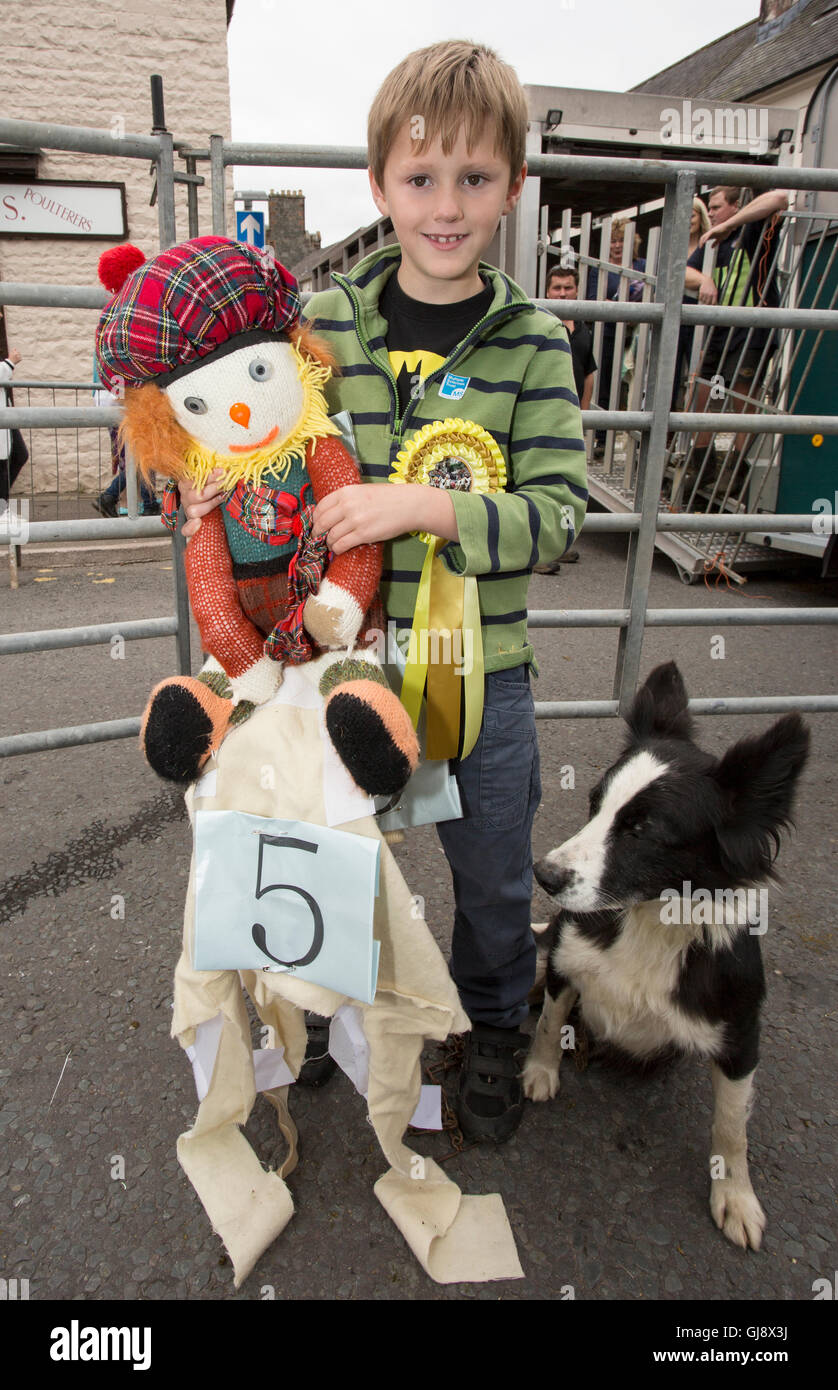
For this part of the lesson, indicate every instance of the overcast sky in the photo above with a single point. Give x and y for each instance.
(307, 73)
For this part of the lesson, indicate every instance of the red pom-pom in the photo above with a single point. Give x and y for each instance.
(116, 264)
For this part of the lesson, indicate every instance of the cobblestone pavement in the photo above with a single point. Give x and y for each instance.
(606, 1187)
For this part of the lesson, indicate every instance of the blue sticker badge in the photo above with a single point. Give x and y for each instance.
(453, 388)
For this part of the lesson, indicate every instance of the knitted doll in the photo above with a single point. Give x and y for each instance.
(218, 373)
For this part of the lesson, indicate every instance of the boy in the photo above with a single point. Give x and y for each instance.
(446, 143)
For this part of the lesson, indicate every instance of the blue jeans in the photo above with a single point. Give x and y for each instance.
(490, 855)
(115, 489)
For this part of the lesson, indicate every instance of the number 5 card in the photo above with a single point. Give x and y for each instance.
(286, 896)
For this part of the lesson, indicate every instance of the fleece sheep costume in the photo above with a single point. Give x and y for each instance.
(205, 343)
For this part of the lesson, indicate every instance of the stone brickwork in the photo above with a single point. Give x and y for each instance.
(287, 227)
(89, 64)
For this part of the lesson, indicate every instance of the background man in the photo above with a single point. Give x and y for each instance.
(563, 283)
(744, 274)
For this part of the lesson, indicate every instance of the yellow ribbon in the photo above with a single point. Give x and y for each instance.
(446, 641)
(413, 683)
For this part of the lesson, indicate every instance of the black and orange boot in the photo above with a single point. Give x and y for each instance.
(369, 727)
(185, 722)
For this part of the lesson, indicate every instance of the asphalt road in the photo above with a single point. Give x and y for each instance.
(606, 1187)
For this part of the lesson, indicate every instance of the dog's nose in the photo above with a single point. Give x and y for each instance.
(551, 877)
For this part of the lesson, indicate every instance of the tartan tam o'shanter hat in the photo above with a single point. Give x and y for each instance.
(197, 298)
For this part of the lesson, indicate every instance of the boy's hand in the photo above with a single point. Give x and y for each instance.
(197, 504)
(363, 514)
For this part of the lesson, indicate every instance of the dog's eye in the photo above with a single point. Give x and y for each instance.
(196, 405)
(260, 370)
(637, 828)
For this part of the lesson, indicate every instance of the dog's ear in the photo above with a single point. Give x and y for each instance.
(757, 779)
(660, 706)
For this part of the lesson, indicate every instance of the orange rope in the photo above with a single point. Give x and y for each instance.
(717, 563)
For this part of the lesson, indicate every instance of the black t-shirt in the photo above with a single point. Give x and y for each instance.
(744, 274)
(582, 355)
(421, 336)
(744, 271)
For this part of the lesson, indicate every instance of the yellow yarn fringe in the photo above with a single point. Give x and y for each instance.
(314, 423)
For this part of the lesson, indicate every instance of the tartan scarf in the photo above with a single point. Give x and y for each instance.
(289, 641)
(253, 508)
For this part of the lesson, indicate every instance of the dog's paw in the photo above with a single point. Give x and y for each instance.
(540, 1082)
(738, 1214)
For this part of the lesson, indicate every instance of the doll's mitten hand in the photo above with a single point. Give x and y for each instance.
(258, 684)
(332, 616)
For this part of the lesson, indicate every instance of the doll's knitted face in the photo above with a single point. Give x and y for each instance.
(246, 400)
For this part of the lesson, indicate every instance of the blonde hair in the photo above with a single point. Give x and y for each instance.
(703, 214)
(445, 88)
(618, 233)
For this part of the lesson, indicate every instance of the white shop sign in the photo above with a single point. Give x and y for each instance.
(62, 209)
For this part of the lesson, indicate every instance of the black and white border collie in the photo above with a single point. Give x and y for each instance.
(669, 816)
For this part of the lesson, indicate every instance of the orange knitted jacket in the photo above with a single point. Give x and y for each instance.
(219, 600)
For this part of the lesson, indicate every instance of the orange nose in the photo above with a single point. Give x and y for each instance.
(240, 413)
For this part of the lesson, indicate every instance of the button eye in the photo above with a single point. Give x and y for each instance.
(260, 370)
(195, 405)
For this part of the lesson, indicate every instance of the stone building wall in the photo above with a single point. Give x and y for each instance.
(89, 63)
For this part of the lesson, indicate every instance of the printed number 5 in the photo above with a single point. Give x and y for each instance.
(258, 931)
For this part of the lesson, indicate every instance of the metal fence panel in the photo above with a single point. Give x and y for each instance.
(663, 317)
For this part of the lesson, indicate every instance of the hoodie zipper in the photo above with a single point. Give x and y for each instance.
(399, 421)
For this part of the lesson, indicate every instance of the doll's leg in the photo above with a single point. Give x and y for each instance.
(185, 721)
(368, 725)
(187, 718)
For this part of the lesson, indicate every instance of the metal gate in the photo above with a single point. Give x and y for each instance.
(662, 315)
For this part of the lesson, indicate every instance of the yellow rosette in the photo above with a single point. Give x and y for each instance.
(462, 457)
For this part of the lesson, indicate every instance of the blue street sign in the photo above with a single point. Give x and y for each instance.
(250, 228)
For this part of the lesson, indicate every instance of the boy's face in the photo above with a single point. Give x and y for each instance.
(445, 209)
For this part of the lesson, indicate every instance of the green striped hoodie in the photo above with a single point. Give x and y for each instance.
(521, 389)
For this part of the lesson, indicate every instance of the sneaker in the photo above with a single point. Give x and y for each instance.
(104, 505)
(318, 1063)
(549, 567)
(490, 1101)
(570, 557)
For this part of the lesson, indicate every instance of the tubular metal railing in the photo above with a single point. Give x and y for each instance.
(663, 314)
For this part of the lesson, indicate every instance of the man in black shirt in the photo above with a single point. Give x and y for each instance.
(563, 283)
